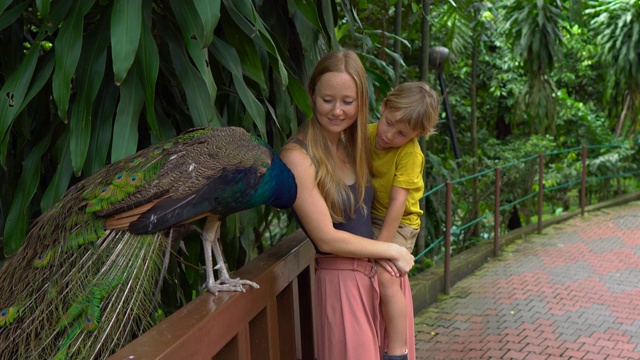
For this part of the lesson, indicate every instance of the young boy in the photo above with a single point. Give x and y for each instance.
(409, 111)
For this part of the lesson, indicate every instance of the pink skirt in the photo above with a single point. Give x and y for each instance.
(347, 309)
(411, 333)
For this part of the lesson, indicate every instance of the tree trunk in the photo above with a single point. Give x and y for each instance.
(474, 129)
(623, 115)
(424, 76)
(396, 43)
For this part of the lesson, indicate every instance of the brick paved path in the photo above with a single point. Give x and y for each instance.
(572, 292)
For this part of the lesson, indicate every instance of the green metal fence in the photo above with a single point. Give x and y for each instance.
(531, 172)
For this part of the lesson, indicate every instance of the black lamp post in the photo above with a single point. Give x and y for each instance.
(438, 55)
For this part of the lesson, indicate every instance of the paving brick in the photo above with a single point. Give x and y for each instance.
(511, 354)
(553, 351)
(593, 356)
(495, 354)
(591, 348)
(575, 354)
(610, 352)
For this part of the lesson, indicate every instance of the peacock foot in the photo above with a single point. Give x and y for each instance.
(229, 284)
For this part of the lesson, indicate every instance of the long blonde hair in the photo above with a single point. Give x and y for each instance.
(335, 192)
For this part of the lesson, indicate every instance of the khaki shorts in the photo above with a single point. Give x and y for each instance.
(405, 235)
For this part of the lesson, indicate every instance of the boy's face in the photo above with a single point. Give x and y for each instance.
(391, 132)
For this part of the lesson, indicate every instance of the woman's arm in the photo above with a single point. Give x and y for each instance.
(313, 212)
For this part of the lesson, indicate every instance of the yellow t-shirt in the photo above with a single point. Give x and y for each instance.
(401, 167)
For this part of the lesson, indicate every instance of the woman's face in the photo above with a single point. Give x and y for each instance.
(336, 102)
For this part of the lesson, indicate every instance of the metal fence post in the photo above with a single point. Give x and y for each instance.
(583, 181)
(447, 239)
(540, 191)
(496, 215)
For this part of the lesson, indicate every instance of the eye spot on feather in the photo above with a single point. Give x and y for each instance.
(105, 192)
(135, 179)
(118, 178)
(42, 260)
(89, 324)
(134, 161)
(157, 150)
(7, 316)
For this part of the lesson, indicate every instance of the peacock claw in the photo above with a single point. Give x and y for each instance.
(230, 285)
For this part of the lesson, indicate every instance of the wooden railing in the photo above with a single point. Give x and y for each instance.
(272, 322)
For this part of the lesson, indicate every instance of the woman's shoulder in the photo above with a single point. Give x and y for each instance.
(295, 147)
(295, 152)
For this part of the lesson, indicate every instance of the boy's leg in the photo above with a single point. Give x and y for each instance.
(394, 311)
(393, 305)
(406, 236)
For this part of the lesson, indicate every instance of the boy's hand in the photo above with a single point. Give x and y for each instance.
(389, 267)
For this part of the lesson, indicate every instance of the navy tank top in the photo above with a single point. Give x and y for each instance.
(360, 223)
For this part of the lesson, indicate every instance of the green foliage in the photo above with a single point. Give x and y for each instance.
(618, 33)
(534, 28)
(113, 77)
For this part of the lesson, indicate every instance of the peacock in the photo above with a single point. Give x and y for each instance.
(85, 281)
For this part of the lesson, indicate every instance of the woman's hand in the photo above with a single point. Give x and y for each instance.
(403, 259)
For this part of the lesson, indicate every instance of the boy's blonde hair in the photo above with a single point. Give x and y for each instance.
(418, 106)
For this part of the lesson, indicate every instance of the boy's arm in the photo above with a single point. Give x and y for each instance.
(397, 203)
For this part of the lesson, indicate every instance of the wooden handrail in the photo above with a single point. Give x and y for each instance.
(272, 322)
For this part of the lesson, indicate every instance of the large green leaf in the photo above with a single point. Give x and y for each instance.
(299, 95)
(58, 14)
(16, 226)
(68, 46)
(195, 88)
(328, 8)
(9, 17)
(126, 26)
(88, 78)
(60, 181)
(125, 128)
(209, 11)
(308, 9)
(244, 14)
(188, 19)
(247, 51)
(40, 79)
(43, 8)
(228, 57)
(4, 4)
(103, 114)
(149, 61)
(14, 90)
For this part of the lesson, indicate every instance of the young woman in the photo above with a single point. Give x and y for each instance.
(329, 157)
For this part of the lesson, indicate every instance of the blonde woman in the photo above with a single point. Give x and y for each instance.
(329, 157)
